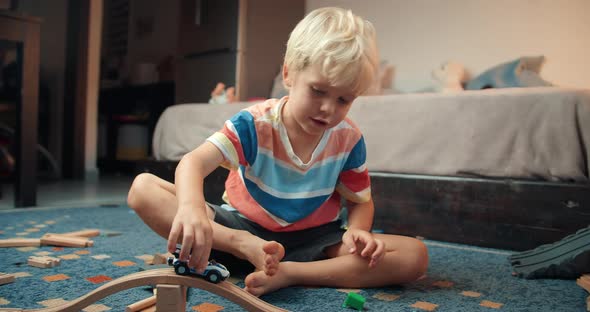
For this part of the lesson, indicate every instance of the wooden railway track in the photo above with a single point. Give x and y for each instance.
(164, 276)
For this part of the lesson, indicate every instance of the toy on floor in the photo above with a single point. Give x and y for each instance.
(70, 239)
(355, 301)
(43, 261)
(6, 278)
(49, 239)
(214, 272)
(142, 305)
(567, 258)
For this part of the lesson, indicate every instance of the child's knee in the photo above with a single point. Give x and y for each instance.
(420, 258)
(138, 189)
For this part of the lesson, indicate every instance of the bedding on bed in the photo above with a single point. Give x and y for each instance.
(525, 133)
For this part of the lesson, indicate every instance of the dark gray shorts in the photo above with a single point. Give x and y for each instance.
(301, 246)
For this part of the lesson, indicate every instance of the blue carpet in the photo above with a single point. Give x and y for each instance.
(460, 278)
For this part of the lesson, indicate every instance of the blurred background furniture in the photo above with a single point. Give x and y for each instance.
(24, 31)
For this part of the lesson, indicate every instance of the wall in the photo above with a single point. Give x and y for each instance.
(417, 36)
(268, 24)
(152, 44)
(206, 51)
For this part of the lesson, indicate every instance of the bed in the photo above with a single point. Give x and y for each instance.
(504, 168)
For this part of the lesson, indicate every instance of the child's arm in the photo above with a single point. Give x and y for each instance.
(360, 216)
(360, 221)
(191, 218)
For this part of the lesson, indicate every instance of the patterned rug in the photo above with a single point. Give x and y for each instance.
(460, 278)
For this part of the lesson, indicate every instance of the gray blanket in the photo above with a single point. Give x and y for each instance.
(530, 133)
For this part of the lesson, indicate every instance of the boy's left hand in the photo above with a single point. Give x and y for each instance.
(364, 244)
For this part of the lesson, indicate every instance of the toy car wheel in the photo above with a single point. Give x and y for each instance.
(181, 269)
(214, 277)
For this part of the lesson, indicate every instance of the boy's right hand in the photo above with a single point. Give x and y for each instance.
(197, 239)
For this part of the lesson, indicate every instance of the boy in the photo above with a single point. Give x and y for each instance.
(291, 161)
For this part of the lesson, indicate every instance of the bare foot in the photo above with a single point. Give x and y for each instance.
(258, 283)
(273, 254)
(264, 255)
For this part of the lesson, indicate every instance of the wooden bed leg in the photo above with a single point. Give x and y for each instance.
(171, 298)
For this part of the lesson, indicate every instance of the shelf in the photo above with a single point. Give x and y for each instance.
(133, 104)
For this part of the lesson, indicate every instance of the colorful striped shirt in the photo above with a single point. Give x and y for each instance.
(271, 186)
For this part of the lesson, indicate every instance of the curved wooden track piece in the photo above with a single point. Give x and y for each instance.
(162, 276)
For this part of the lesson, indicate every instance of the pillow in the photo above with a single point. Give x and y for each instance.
(522, 72)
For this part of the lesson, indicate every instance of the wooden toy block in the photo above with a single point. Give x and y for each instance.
(43, 261)
(6, 278)
(142, 305)
(171, 298)
(65, 241)
(20, 242)
(83, 233)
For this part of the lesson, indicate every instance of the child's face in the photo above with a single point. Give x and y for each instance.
(314, 105)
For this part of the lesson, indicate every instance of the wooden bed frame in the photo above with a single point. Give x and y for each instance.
(499, 213)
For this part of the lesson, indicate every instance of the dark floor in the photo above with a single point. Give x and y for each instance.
(105, 190)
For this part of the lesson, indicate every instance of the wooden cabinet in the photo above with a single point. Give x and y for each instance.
(238, 42)
(263, 31)
(25, 32)
(121, 107)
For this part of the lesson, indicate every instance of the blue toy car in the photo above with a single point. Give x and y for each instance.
(214, 272)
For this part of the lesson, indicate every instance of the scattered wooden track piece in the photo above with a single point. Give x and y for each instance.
(141, 305)
(65, 241)
(20, 242)
(6, 278)
(43, 261)
(83, 233)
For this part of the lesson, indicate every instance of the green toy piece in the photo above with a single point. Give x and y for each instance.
(355, 301)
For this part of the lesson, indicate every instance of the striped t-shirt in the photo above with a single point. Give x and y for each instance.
(271, 186)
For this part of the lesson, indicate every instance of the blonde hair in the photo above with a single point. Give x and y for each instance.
(341, 43)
